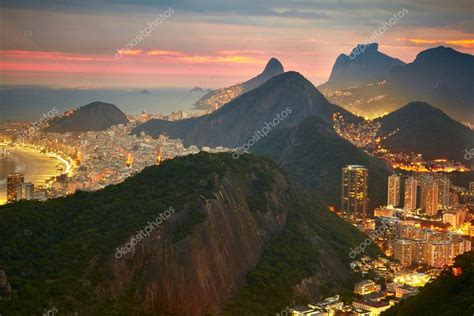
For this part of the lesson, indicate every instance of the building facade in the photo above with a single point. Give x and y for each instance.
(14, 180)
(354, 195)
(411, 189)
(393, 194)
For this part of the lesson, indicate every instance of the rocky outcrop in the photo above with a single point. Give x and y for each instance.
(199, 273)
(5, 287)
(365, 64)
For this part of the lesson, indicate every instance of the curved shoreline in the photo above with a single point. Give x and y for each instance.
(36, 166)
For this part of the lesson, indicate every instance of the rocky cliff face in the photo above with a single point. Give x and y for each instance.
(365, 64)
(5, 288)
(197, 274)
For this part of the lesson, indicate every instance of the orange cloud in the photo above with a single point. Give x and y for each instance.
(236, 52)
(131, 52)
(164, 53)
(466, 43)
(27, 54)
(220, 59)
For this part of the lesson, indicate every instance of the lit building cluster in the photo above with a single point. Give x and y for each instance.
(371, 296)
(144, 116)
(366, 135)
(429, 247)
(109, 157)
(17, 189)
(426, 192)
(95, 160)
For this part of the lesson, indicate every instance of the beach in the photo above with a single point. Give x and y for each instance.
(37, 167)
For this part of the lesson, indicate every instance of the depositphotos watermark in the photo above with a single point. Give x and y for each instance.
(368, 241)
(360, 49)
(285, 312)
(146, 32)
(141, 234)
(261, 133)
(38, 125)
(51, 312)
(469, 154)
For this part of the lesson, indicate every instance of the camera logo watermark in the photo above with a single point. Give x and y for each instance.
(51, 312)
(261, 133)
(285, 312)
(360, 49)
(146, 32)
(143, 233)
(469, 154)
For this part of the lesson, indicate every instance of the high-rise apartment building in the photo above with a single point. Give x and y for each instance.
(29, 190)
(393, 194)
(13, 181)
(403, 251)
(429, 200)
(443, 192)
(411, 189)
(354, 197)
(25, 191)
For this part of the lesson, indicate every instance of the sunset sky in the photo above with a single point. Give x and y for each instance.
(209, 43)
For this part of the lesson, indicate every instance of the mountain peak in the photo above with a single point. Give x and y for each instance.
(442, 54)
(425, 129)
(95, 116)
(365, 64)
(361, 49)
(274, 66)
(97, 104)
(215, 99)
(419, 107)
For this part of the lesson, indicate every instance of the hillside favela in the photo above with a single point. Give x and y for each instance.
(188, 158)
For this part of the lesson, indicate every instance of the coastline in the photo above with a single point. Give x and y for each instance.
(36, 166)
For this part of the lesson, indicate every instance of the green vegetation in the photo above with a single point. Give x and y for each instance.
(313, 154)
(448, 295)
(261, 183)
(55, 253)
(191, 220)
(294, 255)
(46, 248)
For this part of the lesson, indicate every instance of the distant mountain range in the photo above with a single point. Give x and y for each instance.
(237, 121)
(95, 116)
(215, 99)
(304, 144)
(440, 76)
(201, 90)
(365, 64)
(421, 128)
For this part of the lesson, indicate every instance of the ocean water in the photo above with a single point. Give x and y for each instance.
(31, 102)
